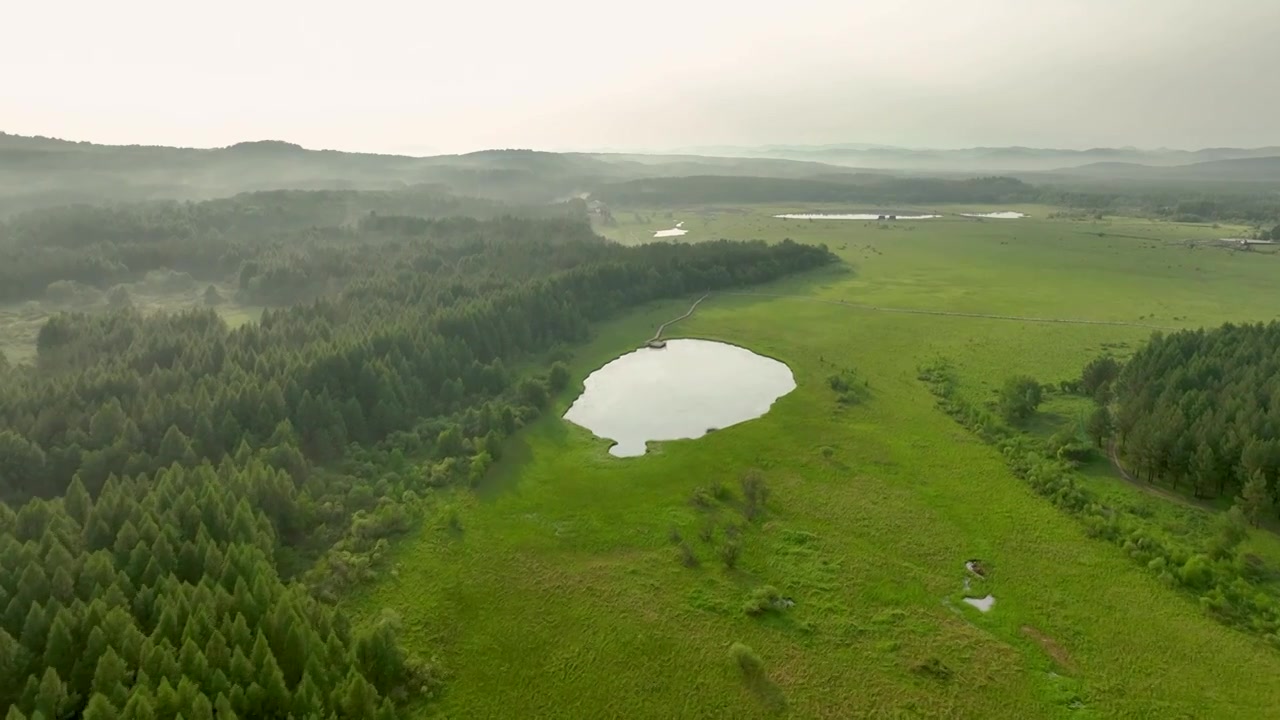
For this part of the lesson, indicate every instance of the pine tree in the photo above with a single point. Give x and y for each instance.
(140, 705)
(358, 699)
(52, 700)
(175, 448)
(1254, 497)
(1204, 471)
(35, 629)
(76, 501)
(14, 659)
(109, 678)
(99, 708)
(222, 708)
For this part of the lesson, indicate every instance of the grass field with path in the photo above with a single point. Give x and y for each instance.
(563, 594)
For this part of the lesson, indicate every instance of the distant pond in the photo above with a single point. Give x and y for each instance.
(1002, 215)
(681, 391)
(853, 216)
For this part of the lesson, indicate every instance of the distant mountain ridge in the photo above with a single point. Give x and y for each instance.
(40, 172)
(992, 159)
(1246, 169)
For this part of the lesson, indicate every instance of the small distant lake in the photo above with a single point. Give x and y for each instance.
(852, 216)
(680, 391)
(676, 231)
(1003, 215)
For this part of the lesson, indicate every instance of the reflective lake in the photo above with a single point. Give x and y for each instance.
(1002, 215)
(851, 216)
(680, 391)
(676, 231)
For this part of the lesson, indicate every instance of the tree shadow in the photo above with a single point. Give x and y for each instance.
(766, 691)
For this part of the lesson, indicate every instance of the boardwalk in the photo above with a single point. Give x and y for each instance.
(656, 340)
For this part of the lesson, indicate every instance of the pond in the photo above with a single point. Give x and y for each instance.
(1002, 215)
(852, 216)
(684, 390)
(676, 231)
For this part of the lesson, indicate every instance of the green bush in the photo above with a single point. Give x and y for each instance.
(763, 600)
(754, 494)
(687, 556)
(729, 552)
(746, 659)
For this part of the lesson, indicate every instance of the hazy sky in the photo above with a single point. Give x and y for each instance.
(445, 76)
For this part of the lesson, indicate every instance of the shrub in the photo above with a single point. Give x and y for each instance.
(708, 531)
(1020, 397)
(720, 491)
(747, 660)
(558, 376)
(934, 668)
(754, 494)
(764, 599)
(687, 557)
(701, 498)
(730, 551)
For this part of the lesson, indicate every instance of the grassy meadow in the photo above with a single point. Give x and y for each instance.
(20, 323)
(564, 594)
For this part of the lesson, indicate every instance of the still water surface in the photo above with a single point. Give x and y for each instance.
(680, 391)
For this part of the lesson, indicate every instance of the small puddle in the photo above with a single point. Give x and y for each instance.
(680, 391)
(852, 216)
(676, 231)
(983, 604)
(1003, 215)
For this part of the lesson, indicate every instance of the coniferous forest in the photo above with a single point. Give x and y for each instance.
(1199, 410)
(183, 502)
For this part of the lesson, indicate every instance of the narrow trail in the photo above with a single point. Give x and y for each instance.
(662, 328)
(949, 313)
(1114, 456)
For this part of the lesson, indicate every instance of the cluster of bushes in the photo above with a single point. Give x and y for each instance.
(848, 387)
(1228, 584)
(709, 500)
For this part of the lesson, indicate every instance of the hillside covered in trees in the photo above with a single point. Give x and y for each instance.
(278, 237)
(1199, 410)
(182, 501)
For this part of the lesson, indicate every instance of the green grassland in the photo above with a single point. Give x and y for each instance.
(563, 594)
(21, 322)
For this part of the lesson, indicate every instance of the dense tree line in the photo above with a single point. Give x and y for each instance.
(101, 246)
(1180, 205)
(181, 498)
(878, 189)
(1200, 411)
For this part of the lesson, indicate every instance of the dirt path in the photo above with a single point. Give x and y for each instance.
(949, 313)
(1114, 456)
(661, 328)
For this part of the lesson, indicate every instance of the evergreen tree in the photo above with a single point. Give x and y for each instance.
(110, 677)
(1254, 497)
(76, 501)
(99, 708)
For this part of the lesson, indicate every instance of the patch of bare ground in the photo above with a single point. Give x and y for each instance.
(1056, 651)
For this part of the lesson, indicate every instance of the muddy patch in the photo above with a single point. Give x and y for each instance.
(1055, 651)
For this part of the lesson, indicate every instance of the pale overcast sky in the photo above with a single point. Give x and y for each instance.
(435, 76)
